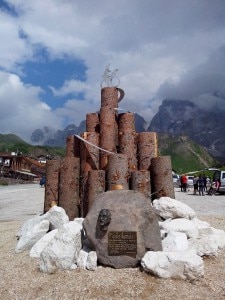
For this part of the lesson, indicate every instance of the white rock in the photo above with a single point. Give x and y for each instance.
(185, 265)
(169, 208)
(205, 246)
(92, 261)
(175, 241)
(87, 259)
(219, 236)
(29, 224)
(200, 224)
(42, 243)
(73, 267)
(193, 245)
(209, 241)
(32, 231)
(62, 251)
(79, 221)
(56, 216)
(163, 233)
(180, 225)
(205, 231)
(82, 258)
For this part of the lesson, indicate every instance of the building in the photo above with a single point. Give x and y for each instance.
(21, 167)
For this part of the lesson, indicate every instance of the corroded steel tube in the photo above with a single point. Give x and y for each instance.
(161, 177)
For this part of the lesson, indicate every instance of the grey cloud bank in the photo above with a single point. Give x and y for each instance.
(163, 49)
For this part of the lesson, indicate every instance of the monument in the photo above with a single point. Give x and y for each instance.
(116, 173)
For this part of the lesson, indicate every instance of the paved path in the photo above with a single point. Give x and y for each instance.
(23, 201)
(202, 205)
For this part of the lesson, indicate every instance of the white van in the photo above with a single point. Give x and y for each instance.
(175, 178)
(221, 176)
(189, 182)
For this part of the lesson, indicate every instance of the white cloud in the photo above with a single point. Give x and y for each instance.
(21, 109)
(13, 49)
(162, 49)
(70, 86)
(205, 78)
(75, 110)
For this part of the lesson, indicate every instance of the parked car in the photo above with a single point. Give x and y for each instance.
(175, 178)
(221, 176)
(189, 183)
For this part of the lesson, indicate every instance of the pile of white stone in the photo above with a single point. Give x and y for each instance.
(185, 240)
(56, 241)
(61, 244)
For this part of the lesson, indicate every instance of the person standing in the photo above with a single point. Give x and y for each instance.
(184, 181)
(201, 186)
(181, 183)
(208, 183)
(195, 184)
(205, 181)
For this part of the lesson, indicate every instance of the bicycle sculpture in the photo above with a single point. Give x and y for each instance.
(110, 79)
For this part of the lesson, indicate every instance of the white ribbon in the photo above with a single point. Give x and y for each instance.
(79, 137)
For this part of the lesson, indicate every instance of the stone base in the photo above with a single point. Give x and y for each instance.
(131, 215)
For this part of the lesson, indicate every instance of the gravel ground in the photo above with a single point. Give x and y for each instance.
(21, 279)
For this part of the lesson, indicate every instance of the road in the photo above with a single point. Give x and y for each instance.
(202, 205)
(23, 201)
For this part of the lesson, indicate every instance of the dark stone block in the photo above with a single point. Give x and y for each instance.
(128, 211)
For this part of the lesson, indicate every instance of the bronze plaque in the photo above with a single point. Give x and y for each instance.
(122, 243)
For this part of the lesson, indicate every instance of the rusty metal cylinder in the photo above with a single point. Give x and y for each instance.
(95, 185)
(108, 134)
(147, 149)
(126, 121)
(89, 160)
(92, 122)
(127, 139)
(140, 182)
(89, 154)
(69, 186)
(109, 97)
(72, 146)
(52, 184)
(161, 177)
(117, 175)
(128, 146)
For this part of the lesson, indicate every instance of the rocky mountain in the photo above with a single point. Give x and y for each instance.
(185, 118)
(56, 139)
(175, 117)
(46, 137)
(185, 154)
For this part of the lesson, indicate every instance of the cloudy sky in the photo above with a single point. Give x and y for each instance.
(53, 54)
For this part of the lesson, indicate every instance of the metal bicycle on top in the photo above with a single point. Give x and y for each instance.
(110, 78)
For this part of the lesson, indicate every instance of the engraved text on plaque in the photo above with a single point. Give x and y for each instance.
(122, 243)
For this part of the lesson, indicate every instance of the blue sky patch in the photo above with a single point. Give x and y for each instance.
(8, 8)
(45, 73)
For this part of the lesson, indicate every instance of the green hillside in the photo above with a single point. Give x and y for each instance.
(12, 143)
(10, 139)
(185, 155)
